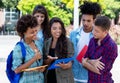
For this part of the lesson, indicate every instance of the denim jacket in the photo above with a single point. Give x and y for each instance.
(80, 73)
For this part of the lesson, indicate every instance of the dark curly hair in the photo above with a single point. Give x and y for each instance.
(25, 22)
(61, 45)
(41, 9)
(91, 8)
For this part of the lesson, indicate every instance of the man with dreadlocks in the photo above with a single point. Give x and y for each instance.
(81, 37)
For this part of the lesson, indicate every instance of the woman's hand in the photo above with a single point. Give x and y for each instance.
(37, 56)
(65, 65)
(42, 69)
(50, 58)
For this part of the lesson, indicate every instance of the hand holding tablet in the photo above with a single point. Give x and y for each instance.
(58, 61)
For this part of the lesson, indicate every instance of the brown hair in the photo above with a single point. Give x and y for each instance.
(61, 46)
(41, 9)
(25, 22)
(103, 21)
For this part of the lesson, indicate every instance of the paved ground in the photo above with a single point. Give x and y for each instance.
(7, 44)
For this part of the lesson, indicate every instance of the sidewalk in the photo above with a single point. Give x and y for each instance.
(7, 44)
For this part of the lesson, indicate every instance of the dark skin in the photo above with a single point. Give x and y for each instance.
(30, 36)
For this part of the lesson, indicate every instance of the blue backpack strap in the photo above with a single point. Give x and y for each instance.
(14, 78)
(22, 48)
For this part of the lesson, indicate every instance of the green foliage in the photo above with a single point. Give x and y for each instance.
(109, 7)
(69, 3)
(1, 4)
(10, 3)
(112, 8)
(64, 8)
(63, 15)
(54, 10)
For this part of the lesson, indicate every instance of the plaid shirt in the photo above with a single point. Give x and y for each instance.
(108, 51)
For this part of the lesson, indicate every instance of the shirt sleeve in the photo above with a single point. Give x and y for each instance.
(17, 57)
(109, 58)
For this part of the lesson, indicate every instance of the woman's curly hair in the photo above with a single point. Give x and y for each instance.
(25, 22)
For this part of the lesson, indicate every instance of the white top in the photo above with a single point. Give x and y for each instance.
(83, 40)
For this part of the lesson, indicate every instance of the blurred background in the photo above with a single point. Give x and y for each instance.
(12, 10)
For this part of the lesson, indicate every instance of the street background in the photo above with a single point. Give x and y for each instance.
(7, 43)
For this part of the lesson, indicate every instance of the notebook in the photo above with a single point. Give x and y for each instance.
(65, 60)
(34, 69)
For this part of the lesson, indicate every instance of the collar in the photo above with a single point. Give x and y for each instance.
(107, 37)
(78, 30)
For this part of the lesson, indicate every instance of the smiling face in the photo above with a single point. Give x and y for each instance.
(30, 34)
(40, 18)
(56, 30)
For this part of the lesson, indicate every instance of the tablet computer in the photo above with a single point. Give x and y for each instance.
(65, 60)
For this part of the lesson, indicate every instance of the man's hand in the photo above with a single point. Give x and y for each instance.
(97, 63)
(84, 61)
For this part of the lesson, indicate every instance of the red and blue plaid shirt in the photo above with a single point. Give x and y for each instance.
(108, 51)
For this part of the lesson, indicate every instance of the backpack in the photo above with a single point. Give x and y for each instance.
(12, 76)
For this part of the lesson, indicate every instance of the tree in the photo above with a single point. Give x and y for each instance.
(1, 4)
(69, 3)
(110, 8)
(26, 6)
(10, 3)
